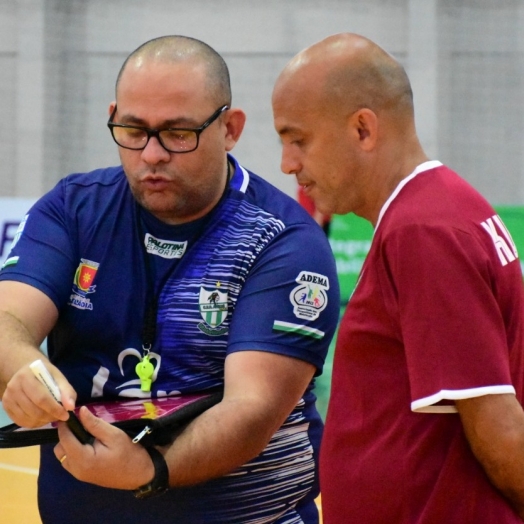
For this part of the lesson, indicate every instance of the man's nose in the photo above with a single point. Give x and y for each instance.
(290, 164)
(154, 152)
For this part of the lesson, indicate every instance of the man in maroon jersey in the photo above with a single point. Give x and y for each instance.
(425, 423)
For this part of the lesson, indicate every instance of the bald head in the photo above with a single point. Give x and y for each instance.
(176, 49)
(344, 111)
(350, 72)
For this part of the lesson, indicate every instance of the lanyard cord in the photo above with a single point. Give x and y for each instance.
(152, 296)
(151, 306)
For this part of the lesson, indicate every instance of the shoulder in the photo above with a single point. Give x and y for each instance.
(278, 220)
(268, 199)
(104, 177)
(101, 187)
(437, 199)
(85, 198)
(276, 226)
(438, 213)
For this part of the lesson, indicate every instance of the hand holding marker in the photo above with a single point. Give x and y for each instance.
(43, 375)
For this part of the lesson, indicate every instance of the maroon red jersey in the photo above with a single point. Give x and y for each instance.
(437, 315)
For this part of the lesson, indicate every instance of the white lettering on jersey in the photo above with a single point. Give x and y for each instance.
(504, 245)
(164, 248)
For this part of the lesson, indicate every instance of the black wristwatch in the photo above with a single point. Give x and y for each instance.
(160, 482)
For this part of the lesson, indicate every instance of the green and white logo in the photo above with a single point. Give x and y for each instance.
(213, 309)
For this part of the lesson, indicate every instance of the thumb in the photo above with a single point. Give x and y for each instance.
(100, 429)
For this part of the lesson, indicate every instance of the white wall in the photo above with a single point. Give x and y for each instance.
(59, 60)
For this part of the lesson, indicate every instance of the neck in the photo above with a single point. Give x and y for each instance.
(399, 168)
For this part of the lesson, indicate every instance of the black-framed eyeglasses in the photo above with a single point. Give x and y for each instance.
(174, 140)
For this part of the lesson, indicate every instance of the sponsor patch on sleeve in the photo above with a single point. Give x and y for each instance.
(309, 298)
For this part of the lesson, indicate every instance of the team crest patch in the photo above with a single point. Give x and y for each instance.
(309, 298)
(83, 284)
(164, 248)
(213, 309)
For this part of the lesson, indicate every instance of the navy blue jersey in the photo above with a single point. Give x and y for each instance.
(254, 274)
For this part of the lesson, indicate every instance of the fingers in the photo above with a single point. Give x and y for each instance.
(100, 429)
(59, 452)
(69, 445)
(103, 432)
(67, 393)
(28, 403)
(24, 412)
(112, 460)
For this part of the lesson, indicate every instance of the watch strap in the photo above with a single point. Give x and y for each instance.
(160, 482)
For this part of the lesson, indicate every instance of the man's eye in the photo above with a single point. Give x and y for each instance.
(132, 132)
(177, 135)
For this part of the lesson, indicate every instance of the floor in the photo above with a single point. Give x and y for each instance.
(18, 475)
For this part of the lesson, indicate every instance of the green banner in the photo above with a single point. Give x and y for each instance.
(513, 218)
(350, 239)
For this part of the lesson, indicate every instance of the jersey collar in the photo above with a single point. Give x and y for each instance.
(240, 178)
(425, 166)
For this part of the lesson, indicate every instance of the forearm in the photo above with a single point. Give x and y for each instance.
(17, 348)
(222, 439)
(496, 435)
(505, 470)
(26, 317)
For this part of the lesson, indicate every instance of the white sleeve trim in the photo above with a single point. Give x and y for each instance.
(426, 405)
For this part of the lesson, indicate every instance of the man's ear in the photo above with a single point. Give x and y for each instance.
(363, 127)
(112, 106)
(234, 120)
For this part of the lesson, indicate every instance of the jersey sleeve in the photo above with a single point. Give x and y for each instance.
(451, 324)
(42, 252)
(290, 301)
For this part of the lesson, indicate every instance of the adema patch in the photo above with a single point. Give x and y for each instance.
(309, 298)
